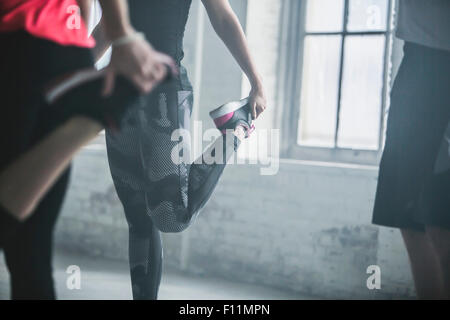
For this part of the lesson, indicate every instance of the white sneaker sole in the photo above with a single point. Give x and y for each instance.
(228, 107)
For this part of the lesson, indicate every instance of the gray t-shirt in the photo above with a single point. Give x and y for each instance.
(426, 22)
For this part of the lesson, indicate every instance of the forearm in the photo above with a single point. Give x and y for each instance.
(102, 42)
(85, 7)
(228, 28)
(25, 182)
(116, 21)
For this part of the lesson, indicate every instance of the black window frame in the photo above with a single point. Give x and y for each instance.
(292, 38)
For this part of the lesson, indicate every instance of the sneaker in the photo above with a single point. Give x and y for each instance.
(234, 114)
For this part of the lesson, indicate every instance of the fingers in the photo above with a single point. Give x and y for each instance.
(155, 71)
(168, 62)
(160, 72)
(147, 77)
(110, 79)
(257, 109)
(254, 112)
(260, 108)
(139, 63)
(145, 83)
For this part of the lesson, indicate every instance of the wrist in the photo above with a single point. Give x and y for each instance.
(136, 36)
(256, 83)
(257, 87)
(119, 31)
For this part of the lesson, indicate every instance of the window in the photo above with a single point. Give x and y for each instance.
(338, 78)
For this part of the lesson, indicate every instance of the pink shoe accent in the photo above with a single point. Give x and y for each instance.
(223, 119)
(251, 130)
(248, 131)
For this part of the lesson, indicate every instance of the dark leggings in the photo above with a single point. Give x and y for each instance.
(27, 64)
(28, 253)
(158, 194)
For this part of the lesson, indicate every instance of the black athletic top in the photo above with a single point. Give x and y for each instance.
(163, 22)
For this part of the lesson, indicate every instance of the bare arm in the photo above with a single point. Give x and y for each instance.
(85, 7)
(116, 18)
(102, 42)
(229, 29)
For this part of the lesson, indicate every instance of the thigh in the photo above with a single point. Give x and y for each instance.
(416, 123)
(126, 170)
(165, 114)
(124, 157)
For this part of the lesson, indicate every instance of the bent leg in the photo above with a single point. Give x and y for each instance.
(175, 192)
(204, 175)
(24, 182)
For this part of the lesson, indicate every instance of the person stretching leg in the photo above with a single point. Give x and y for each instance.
(36, 142)
(159, 195)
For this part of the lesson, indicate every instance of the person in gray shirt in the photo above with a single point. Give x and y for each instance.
(413, 192)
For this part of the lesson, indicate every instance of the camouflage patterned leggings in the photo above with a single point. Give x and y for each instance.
(158, 194)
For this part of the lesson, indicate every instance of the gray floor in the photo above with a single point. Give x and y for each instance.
(109, 279)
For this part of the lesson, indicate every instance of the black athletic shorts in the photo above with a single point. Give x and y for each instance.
(414, 181)
(27, 64)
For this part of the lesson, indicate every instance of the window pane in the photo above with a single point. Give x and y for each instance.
(324, 15)
(367, 15)
(262, 17)
(362, 86)
(318, 106)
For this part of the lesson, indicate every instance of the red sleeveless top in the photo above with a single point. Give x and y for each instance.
(55, 20)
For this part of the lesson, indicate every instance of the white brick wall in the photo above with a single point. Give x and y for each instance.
(306, 229)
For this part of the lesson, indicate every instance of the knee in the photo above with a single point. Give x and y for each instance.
(162, 218)
(171, 221)
(170, 227)
(145, 229)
